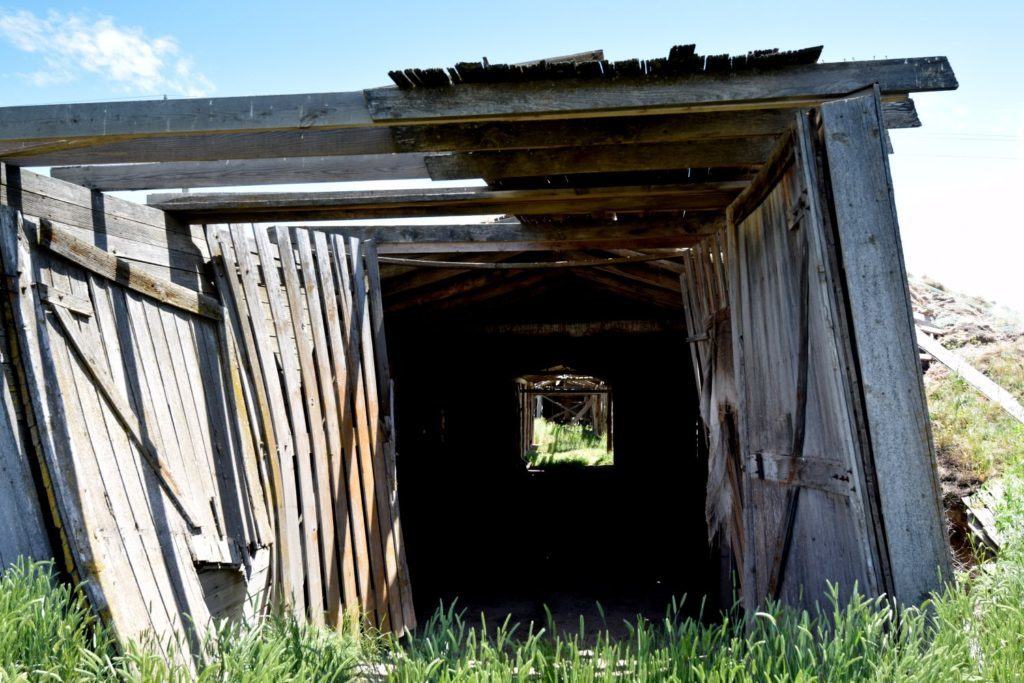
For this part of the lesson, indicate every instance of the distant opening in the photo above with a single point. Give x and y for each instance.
(565, 420)
(498, 536)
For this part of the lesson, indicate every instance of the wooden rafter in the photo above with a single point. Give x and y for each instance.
(277, 206)
(655, 231)
(454, 137)
(799, 86)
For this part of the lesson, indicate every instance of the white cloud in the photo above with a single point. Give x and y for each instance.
(70, 45)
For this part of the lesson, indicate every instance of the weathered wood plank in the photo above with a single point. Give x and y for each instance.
(513, 236)
(22, 527)
(271, 206)
(387, 420)
(793, 86)
(992, 391)
(360, 460)
(247, 301)
(882, 323)
(722, 153)
(455, 137)
(377, 432)
(125, 416)
(124, 273)
(245, 172)
(288, 334)
(348, 512)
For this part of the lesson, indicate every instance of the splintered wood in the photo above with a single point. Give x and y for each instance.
(306, 310)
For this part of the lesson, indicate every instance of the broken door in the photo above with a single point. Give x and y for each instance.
(837, 480)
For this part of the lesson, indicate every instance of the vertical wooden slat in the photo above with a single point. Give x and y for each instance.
(292, 547)
(287, 338)
(346, 471)
(334, 501)
(386, 401)
(381, 480)
(240, 318)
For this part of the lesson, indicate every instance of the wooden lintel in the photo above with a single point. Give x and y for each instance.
(585, 328)
(451, 137)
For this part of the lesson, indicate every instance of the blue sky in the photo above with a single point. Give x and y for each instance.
(956, 179)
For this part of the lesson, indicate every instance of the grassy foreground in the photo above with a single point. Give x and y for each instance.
(974, 631)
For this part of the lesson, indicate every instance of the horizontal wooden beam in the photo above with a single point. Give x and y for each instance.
(792, 87)
(514, 236)
(796, 86)
(723, 153)
(452, 137)
(277, 206)
(245, 172)
(584, 328)
(731, 152)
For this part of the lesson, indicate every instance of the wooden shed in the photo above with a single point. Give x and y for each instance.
(216, 401)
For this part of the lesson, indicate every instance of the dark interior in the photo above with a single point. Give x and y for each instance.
(501, 540)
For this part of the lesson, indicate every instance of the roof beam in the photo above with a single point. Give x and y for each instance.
(452, 137)
(277, 206)
(513, 236)
(245, 172)
(797, 86)
(726, 153)
(732, 153)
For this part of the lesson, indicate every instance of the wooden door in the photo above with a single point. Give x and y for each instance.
(128, 383)
(818, 426)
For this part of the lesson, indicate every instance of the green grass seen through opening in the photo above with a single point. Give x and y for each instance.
(566, 445)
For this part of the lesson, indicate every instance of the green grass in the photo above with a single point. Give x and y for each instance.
(974, 631)
(972, 433)
(561, 445)
(49, 632)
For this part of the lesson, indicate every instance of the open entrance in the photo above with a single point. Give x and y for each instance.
(565, 420)
(501, 537)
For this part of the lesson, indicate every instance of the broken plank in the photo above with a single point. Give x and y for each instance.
(992, 391)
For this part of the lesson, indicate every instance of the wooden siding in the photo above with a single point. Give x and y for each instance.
(129, 392)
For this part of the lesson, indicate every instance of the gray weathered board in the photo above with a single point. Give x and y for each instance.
(783, 315)
(120, 385)
(828, 494)
(23, 530)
